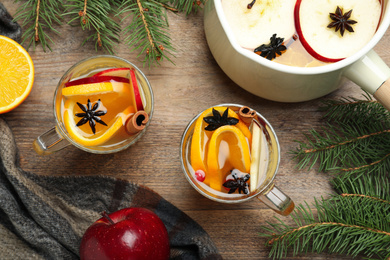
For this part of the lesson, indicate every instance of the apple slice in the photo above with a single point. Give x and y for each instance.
(255, 155)
(137, 94)
(259, 156)
(125, 73)
(116, 72)
(94, 79)
(313, 17)
(254, 27)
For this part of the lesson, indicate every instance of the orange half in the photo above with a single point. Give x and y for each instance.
(16, 74)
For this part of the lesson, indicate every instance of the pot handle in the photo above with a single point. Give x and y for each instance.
(372, 74)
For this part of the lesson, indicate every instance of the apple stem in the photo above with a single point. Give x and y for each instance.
(105, 215)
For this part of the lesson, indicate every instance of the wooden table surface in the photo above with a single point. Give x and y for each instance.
(181, 91)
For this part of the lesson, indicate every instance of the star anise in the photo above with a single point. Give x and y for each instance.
(275, 47)
(239, 183)
(341, 21)
(91, 115)
(216, 120)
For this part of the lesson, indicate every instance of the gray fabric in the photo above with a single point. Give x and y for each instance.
(44, 217)
(8, 27)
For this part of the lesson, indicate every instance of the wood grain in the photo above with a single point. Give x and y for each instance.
(181, 91)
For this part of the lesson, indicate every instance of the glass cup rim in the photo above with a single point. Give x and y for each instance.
(190, 179)
(64, 133)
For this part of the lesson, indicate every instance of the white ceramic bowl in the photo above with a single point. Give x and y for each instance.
(284, 83)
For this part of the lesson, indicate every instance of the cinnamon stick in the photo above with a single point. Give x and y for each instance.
(137, 122)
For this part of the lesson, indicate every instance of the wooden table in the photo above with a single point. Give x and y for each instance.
(181, 91)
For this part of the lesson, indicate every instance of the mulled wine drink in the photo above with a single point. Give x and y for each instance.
(229, 151)
(303, 33)
(102, 104)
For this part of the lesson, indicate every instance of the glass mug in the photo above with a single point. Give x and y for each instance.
(264, 188)
(102, 104)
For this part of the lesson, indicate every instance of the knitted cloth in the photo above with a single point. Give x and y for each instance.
(45, 217)
(8, 27)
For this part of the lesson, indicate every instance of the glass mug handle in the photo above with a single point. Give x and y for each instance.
(49, 142)
(277, 200)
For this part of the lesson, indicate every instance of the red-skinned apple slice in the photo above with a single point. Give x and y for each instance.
(94, 79)
(254, 26)
(126, 73)
(117, 72)
(325, 44)
(137, 94)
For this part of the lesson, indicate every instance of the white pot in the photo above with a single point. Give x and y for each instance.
(284, 83)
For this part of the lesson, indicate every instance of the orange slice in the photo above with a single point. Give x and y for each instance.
(16, 74)
(88, 89)
(238, 156)
(75, 133)
(200, 138)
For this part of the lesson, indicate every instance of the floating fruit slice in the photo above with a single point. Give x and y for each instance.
(130, 75)
(255, 155)
(137, 94)
(239, 155)
(254, 27)
(259, 156)
(313, 17)
(116, 72)
(16, 74)
(96, 79)
(98, 139)
(200, 137)
(88, 89)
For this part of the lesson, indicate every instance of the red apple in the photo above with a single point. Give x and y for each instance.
(130, 233)
(326, 44)
(95, 79)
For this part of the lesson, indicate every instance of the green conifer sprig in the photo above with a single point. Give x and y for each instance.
(38, 16)
(355, 147)
(356, 139)
(376, 187)
(352, 225)
(95, 16)
(148, 31)
(350, 109)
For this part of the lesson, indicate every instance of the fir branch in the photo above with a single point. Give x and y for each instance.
(377, 185)
(39, 16)
(95, 16)
(355, 146)
(344, 225)
(346, 143)
(148, 30)
(355, 110)
(187, 6)
(364, 196)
